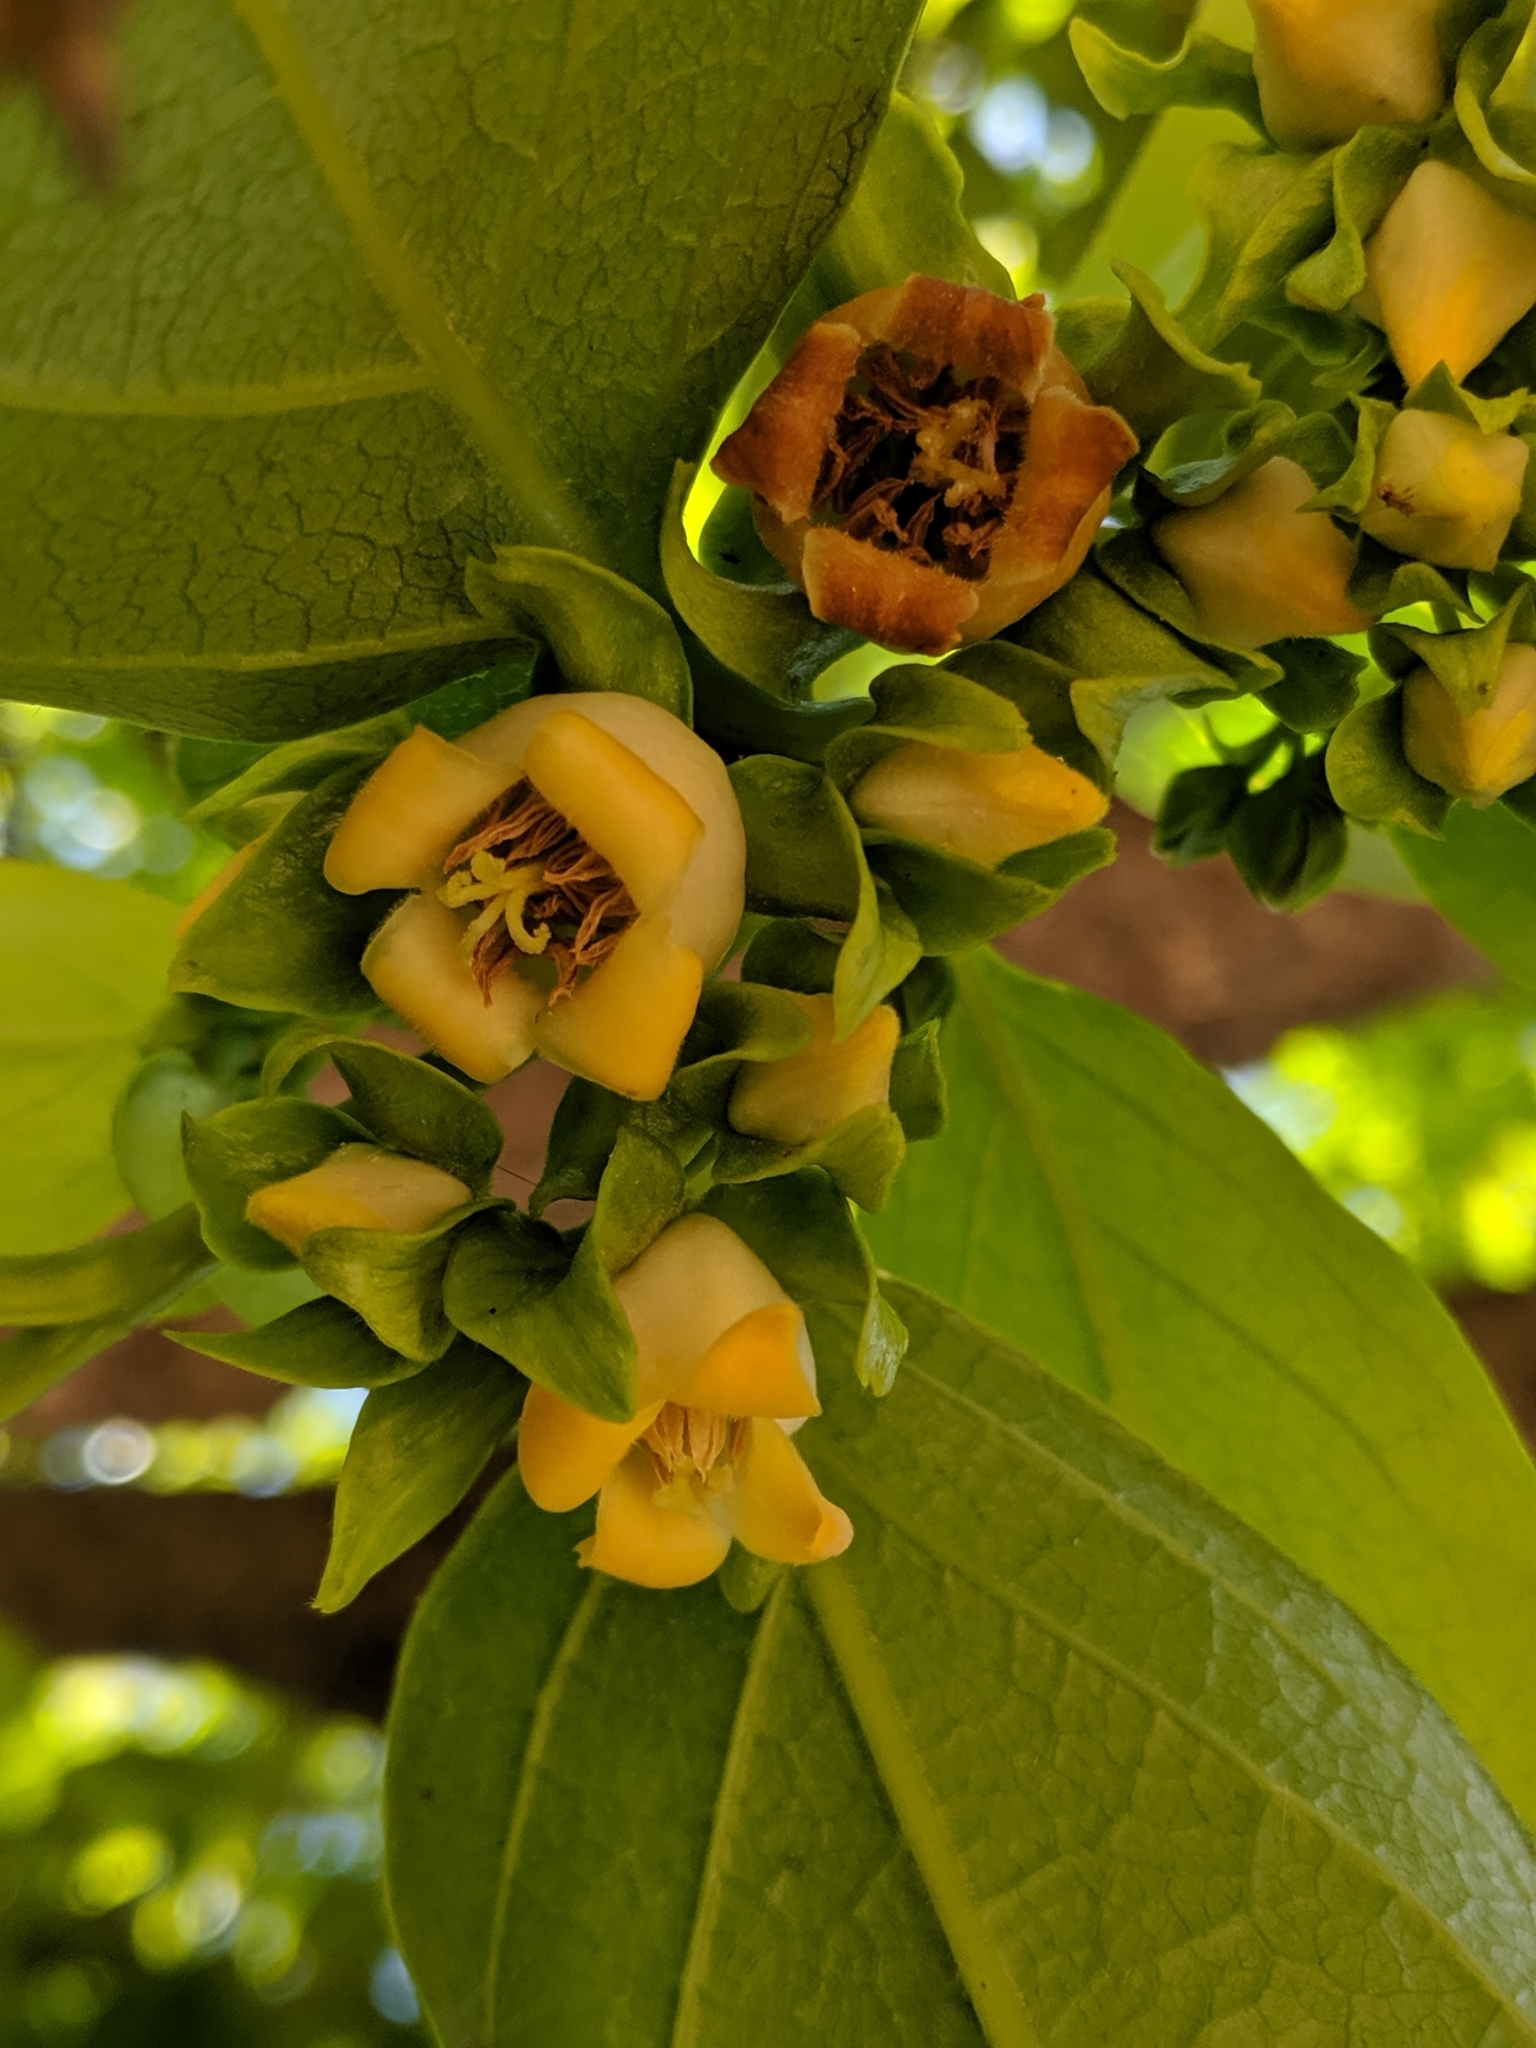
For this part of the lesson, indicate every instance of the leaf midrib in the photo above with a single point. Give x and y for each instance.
(1007, 1596)
(504, 438)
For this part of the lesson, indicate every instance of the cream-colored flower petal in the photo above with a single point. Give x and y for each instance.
(1444, 491)
(410, 814)
(1475, 755)
(983, 806)
(565, 1454)
(360, 1187)
(1327, 67)
(707, 907)
(1449, 272)
(624, 810)
(655, 1536)
(624, 1025)
(762, 1365)
(416, 965)
(1256, 567)
(796, 1099)
(691, 1285)
(776, 1509)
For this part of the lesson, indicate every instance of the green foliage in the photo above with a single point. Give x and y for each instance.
(82, 975)
(1106, 1204)
(391, 384)
(1481, 874)
(879, 1757)
(247, 1146)
(318, 1344)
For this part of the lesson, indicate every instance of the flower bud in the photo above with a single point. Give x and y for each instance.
(1476, 755)
(983, 807)
(1448, 272)
(359, 1187)
(725, 1373)
(927, 465)
(1444, 491)
(579, 866)
(802, 1097)
(1256, 567)
(1327, 67)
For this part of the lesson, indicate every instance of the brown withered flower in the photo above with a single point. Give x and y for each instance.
(64, 47)
(928, 466)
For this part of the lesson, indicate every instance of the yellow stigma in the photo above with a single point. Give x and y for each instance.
(505, 892)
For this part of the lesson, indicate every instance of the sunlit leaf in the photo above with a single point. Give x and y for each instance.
(1482, 876)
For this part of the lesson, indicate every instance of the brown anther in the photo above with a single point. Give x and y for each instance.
(579, 897)
(923, 462)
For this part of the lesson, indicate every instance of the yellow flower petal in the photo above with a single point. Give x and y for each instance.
(688, 1288)
(797, 1099)
(410, 814)
(619, 805)
(415, 964)
(359, 1187)
(983, 806)
(1444, 491)
(1327, 67)
(625, 1023)
(565, 1454)
(655, 1536)
(776, 1509)
(763, 1365)
(1449, 272)
(1476, 755)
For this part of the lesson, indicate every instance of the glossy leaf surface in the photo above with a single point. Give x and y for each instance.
(258, 415)
(1058, 1752)
(1102, 1200)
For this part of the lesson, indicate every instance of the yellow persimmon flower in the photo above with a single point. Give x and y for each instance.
(359, 1187)
(928, 466)
(1475, 755)
(982, 806)
(809, 1093)
(578, 867)
(1448, 272)
(726, 1372)
(1257, 568)
(1444, 491)
(1327, 67)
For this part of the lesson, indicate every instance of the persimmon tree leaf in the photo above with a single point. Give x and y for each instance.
(1108, 1204)
(259, 414)
(1482, 876)
(82, 973)
(1060, 1751)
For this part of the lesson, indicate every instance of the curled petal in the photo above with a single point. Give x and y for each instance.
(409, 815)
(687, 1289)
(777, 1510)
(416, 964)
(360, 1187)
(624, 810)
(979, 333)
(777, 451)
(565, 1454)
(653, 1535)
(886, 597)
(763, 1365)
(624, 1025)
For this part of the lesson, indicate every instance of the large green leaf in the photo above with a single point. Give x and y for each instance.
(1059, 1752)
(82, 972)
(1482, 876)
(258, 413)
(1105, 1202)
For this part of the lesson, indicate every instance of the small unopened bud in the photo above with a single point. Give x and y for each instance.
(1256, 567)
(1448, 272)
(797, 1099)
(1327, 67)
(981, 806)
(1475, 755)
(359, 1187)
(1444, 491)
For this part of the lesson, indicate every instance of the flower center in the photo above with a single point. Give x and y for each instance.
(693, 1450)
(922, 462)
(540, 889)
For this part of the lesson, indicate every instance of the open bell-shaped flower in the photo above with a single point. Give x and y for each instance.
(1256, 567)
(1478, 754)
(577, 867)
(360, 1187)
(726, 1373)
(1325, 68)
(928, 466)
